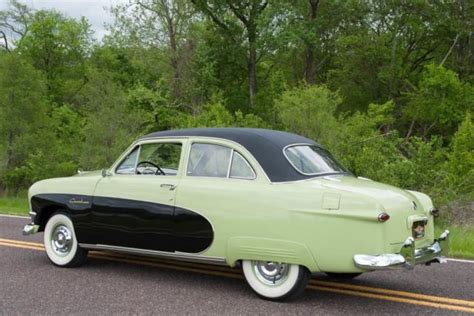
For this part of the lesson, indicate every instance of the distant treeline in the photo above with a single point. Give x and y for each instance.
(387, 86)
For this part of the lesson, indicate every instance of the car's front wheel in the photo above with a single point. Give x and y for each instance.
(275, 281)
(61, 244)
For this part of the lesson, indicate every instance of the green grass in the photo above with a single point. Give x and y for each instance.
(14, 206)
(461, 237)
(461, 240)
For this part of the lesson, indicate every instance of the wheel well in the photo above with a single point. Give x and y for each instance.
(46, 214)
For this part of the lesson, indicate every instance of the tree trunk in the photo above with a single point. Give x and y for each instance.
(176, 84)
(10, 139)
(309, 66)
(252, 65)
(9, 150)
(309, 71)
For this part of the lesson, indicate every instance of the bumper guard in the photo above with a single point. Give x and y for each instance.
(30, 229)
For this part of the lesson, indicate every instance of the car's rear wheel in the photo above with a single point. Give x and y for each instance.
(342, 276)
(61, 244)
(275, 281)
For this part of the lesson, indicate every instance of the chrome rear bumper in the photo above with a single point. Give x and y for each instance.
(408, 257)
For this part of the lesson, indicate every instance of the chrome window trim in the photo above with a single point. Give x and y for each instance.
(228, 167)
(204, 143)
(136, 160)
(192, 139)
(248, 165)
(156, 253)
(124, 157)
(231, 156)
(305, 173)
(140, 143)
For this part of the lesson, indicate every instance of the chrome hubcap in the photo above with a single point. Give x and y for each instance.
(61, 240)
(270, 273)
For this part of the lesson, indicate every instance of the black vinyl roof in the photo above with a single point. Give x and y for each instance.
(264, 144)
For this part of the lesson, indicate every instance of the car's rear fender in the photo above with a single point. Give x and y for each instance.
(266, 249)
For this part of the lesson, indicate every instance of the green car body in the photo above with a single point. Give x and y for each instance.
(328, 223)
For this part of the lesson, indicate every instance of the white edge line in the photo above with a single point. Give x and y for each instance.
(14, 216)
(449, 259)
(461, 260)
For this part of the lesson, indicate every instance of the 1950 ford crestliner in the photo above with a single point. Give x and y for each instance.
(276, 203)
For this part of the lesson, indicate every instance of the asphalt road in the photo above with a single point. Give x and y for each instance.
(119, 284)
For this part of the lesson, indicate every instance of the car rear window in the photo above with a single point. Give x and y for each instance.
(312, 160)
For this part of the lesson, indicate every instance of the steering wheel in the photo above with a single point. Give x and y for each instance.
(158, 169)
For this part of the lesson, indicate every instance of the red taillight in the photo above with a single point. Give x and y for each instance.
(383, 217)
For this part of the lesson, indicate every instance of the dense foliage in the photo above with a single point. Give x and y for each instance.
(387, 86)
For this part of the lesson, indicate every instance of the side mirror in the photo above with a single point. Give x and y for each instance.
(106, 173)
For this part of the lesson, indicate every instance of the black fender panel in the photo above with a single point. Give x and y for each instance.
(130, 223)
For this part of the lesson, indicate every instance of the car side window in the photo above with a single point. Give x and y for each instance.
(210, 160)
(240, 168)
(128, 164)
(159, 159)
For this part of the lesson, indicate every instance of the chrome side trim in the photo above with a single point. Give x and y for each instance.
(156, 253)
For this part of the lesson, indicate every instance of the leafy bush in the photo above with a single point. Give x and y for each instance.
(310, 111)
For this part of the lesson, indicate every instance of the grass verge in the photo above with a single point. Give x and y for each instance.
(461, 240)
(461, 237)
(14, 206)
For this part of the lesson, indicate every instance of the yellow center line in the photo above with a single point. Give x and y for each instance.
(394, 292)
(21, 242)
(393, 298)
(327, 286)
(20, 246)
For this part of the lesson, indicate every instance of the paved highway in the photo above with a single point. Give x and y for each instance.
(120, 284)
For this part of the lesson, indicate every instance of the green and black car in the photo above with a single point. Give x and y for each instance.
(276, 203)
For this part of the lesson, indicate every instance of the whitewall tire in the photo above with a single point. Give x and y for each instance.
(61, 244)
(275, 281)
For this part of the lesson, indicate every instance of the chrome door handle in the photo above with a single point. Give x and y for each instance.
(170, 186)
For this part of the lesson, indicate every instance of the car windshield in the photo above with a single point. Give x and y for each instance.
(313, 160)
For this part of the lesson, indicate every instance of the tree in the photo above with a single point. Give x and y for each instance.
(312, 26)
(162, 24)
(22, 110)
(439, 102)
(383, 48)
(310, 111)
(216, 115)
(248, 13)
(461, 158)
(14, 24)
(58, 46)
(109, 123)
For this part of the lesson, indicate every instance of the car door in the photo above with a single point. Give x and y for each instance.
(133, 205)
(220, 184)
